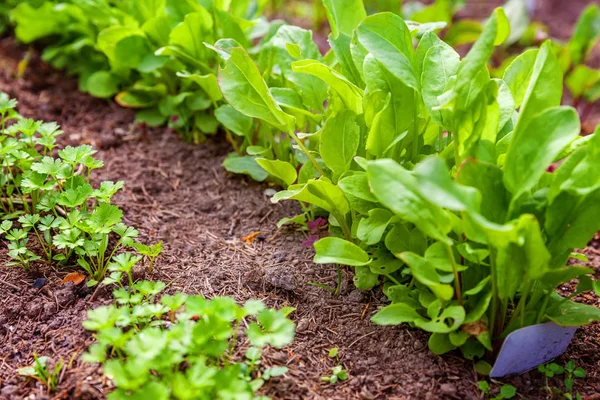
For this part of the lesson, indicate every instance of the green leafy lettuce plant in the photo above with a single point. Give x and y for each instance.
(581, 79)
(150, 56)
(434, 174)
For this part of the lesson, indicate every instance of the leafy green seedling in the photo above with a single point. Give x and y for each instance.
(182, 344)
(570, 371)
(50, 195)
(333, 353)
(338, 374)
(506, 391)
(41, 372)
(149, 252)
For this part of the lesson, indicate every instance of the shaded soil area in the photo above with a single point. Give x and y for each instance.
(558, 15)
(179, 193)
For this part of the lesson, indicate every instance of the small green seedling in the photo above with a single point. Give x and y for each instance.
(40, 371)
(570, 371)
(333, 353)
(149, 252)
(337, 374)
(336, 291)
(506, 391)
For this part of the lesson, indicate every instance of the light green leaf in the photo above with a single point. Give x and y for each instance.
(371, 229)
(581, 79)
(245, 165)
(585, 34)
(320, 193)
(544, 89)
(439, 343)
(388, 39)
(569, 313)
(440, 64)
(234, 120)
(109, 38)
(494, 33)
(396, 314)
(425, 273)
(190, 35)
(102, 84)
(207, 82)
(398, 189)
(557, 277)
(487, 179)
(518, 74)
(244, 88)
(437, 186)
(331, 250)
(280, 169)
(535, 145)
(340, 138)
(350, 94)
(344, 15)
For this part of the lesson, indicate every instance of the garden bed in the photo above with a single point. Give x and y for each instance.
(179, 193)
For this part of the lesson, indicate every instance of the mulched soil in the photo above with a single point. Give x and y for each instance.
(179, 193)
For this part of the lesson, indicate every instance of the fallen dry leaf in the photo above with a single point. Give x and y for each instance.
(74, 277)
(250, 238)
(475, 328)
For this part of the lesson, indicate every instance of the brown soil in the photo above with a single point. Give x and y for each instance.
(178, 193)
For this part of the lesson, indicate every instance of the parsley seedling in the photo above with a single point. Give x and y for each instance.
(570, 372)
(52, 199)
(181, 344)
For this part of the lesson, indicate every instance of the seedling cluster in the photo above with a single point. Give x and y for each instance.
(48, 197)
(184, 347)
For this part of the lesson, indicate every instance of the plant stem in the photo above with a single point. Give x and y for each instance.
(542, 308)
(520, 310)
(415, 149)
(457, 288)
(494, 308)
(233, 340)
(48, 254)
(339, 280)
(391, 278)
(344, 225)
(232, 141)
(306, 151)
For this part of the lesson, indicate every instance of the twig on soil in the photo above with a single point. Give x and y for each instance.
(10, 285)
(275, 236)
(148, 197)
(360, 338)
(265, 217)
(216, 174)
(362, 316)
(93, 296)
(234, 221)
(7, 200)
